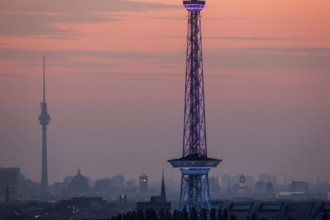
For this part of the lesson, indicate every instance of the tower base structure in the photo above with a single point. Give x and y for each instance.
(194, 181)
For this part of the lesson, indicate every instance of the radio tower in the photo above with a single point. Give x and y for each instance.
(44, 120)
(194, 163)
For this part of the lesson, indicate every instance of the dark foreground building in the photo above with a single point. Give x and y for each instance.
(96, 208)
(9, 183)
(274, 210)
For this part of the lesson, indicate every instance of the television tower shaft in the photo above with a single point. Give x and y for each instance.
(44, 120)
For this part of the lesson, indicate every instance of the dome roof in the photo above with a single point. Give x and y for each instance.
(78, 184)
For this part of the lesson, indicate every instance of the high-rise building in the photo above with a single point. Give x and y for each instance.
(194, 163)
(44, 120)
(117, 181)
(214, 185)
(9, 183)
(143, 183)
(242, 184)
(264, 177)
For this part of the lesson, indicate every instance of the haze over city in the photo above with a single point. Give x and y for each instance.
(115, 86)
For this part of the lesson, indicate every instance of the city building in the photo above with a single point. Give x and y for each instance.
(132, 183)
(10, 184)
(226, 180)
(143, 183)
(158, 203)
(117, 181)
(214, 185)
(102, 187)
(232, 180)
(298, 186)
(242, 185)
(78, 185)
(264, 177)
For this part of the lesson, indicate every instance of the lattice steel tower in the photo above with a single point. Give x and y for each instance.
(194, 163)
(44, 120)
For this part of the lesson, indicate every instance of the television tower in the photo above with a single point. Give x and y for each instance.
(44, 120)
(194, 163)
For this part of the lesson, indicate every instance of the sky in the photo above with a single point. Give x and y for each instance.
(115, 86)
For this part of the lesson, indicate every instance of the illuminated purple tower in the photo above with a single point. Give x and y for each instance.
(44, 120)
(194, 163)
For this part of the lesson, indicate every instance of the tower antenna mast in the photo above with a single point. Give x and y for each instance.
(194, 163)
(44, 80)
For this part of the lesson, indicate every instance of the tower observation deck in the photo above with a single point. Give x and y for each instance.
(194, 163)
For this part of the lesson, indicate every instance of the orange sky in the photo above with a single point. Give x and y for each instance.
(115, 74)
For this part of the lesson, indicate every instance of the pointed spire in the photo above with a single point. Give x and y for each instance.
(163, 193)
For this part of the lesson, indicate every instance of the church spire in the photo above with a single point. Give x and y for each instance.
(163, 193)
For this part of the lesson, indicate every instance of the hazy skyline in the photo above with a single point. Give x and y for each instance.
(115, 86)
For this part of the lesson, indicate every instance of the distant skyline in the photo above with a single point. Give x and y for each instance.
(115, 86)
